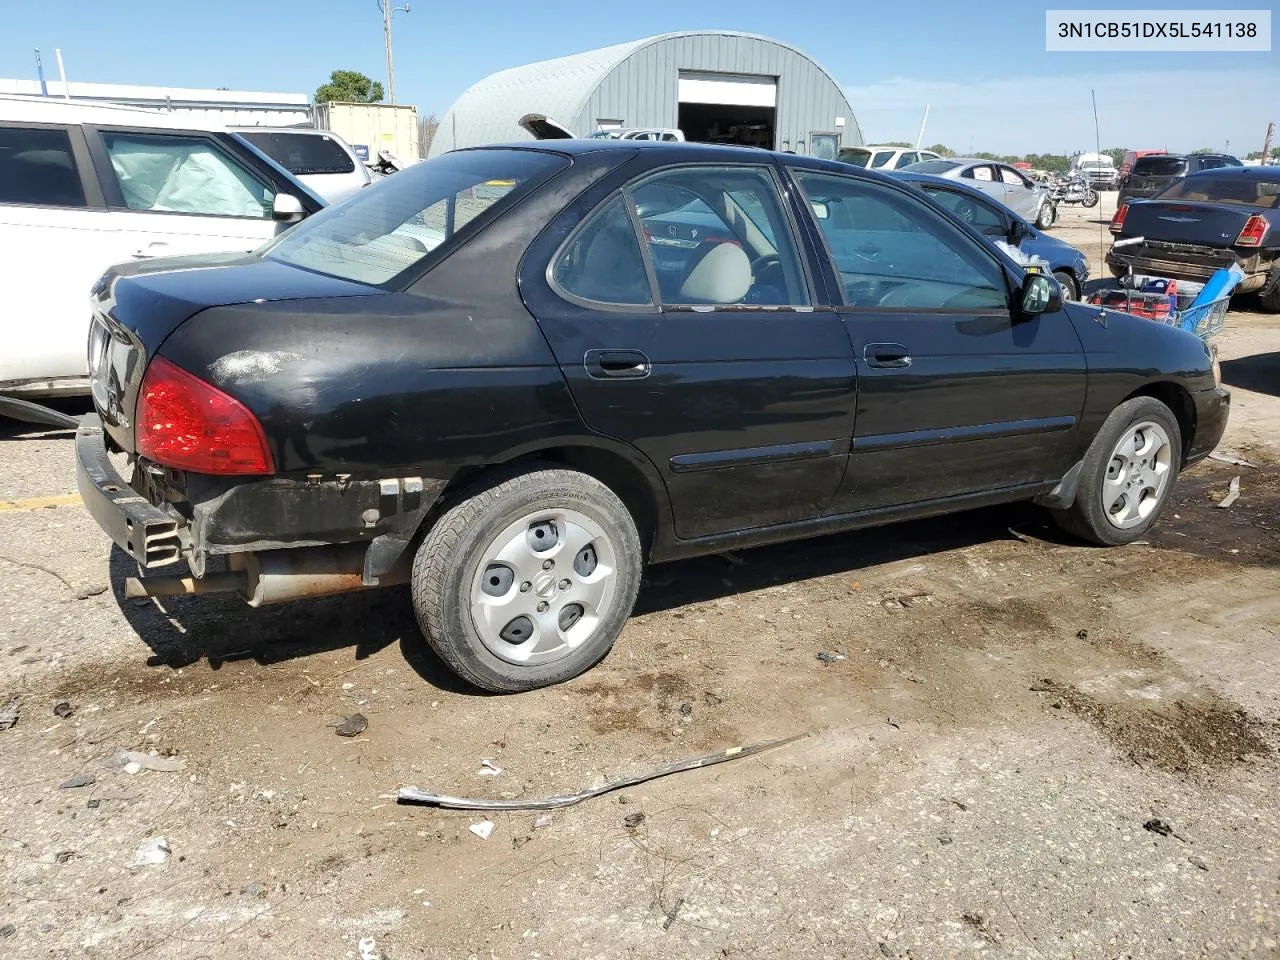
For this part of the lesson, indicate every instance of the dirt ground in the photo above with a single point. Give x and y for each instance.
(1032, 749)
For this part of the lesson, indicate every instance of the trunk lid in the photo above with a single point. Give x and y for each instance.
(1179, 221)
(137, 305)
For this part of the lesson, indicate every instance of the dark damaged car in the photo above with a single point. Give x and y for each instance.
(512, 376)
(1203, 223)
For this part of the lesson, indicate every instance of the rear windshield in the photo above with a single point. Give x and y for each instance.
(1245, 191)
(302, 154)
(1159, 167)
(392, 227)
(936, 167)
(855, 155)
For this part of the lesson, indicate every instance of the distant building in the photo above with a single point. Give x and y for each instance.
(715, 86)
(228, 107)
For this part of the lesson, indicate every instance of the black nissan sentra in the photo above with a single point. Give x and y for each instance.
(512, 376)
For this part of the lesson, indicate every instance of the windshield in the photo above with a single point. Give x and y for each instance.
(1160, 167)
(935, 167)
(855, 155)
(302, 154)
(1244, 191)
(393, 226)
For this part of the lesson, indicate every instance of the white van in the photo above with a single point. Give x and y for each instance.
(319, 158)
(83, 186)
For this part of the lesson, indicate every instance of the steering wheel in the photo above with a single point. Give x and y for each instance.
(766, 261)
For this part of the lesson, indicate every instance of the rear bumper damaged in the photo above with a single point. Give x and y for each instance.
(332, 535)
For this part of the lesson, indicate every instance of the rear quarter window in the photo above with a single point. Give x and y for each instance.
(302, 154)
(37, 168)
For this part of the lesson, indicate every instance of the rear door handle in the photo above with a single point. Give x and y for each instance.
(617, 364)
(892, 355)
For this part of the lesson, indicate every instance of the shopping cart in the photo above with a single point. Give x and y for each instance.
(1205, 315)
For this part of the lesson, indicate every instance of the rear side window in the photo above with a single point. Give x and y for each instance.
(602, 262)
(38, 168)
(302, 154)
(172, 173)
(377, 235)
(1160, 167)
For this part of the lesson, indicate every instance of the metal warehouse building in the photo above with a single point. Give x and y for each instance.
(715, 86)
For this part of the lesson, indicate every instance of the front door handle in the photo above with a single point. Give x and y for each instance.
(892, 355)
(617, 364)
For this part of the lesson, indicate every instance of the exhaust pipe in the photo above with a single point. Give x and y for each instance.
(276, 576)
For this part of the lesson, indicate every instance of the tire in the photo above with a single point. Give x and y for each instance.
(1048, 215)
(1141, 421)
(479, 627)
(1070, 291)
(1091, 198)
(1270, 299)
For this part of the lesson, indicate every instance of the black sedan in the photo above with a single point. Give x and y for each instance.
(1204, 222)
(511, 376)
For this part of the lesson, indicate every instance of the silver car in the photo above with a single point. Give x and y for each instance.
(1011, 187)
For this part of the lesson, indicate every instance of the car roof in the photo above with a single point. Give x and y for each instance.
(1269, 172)
(58, 110)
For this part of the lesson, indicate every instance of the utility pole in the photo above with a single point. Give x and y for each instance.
(1266, 144)
(389, 10)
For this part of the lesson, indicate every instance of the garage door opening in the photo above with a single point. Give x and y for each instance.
(728, 108)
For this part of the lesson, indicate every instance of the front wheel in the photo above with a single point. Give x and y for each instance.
(1091, 198)
(1048, 215)
(1068, 283)
(529, 581)
(1127, 474)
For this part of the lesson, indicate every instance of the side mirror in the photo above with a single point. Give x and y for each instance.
(286, 208)
(1018, 231)
(996, 230)
(1040, 294)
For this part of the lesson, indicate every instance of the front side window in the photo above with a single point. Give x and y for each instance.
(718, 236)
(378, 234)
(970, 209)
(302, 154)
(894, 252)
(906, 160)
(38, 168)
(170, 173)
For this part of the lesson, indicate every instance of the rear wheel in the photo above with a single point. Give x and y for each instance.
(1070, 291)
(1048, 215)
(1270, 299)
(529, 581)
(1127, 474)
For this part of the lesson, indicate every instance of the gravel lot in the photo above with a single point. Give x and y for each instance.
(1033, 749)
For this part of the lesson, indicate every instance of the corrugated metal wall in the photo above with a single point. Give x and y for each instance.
(642, 90)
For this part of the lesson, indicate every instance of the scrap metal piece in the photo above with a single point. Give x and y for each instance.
(414, 795)
(1233, 494)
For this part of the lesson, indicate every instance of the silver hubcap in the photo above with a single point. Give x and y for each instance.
(1138, 475)
(542, 587)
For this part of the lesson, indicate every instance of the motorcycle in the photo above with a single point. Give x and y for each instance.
(1072, 189)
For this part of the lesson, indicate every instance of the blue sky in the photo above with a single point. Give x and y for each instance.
(990, 82)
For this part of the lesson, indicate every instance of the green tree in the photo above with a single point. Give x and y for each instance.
(897, 143)
(1200, 150)
(1257, 155)
(942, 150)
(349, 86)
(1116, 154)
(1052, 162)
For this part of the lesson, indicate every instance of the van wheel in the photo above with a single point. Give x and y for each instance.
(1127, 474)
(529, 581)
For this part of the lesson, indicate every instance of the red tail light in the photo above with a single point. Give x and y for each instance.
(188, 424)
(1117, 222)
(1255, 229)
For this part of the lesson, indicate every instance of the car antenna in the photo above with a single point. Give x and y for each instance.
(1097, 146)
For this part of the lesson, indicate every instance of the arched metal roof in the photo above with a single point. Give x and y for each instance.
(489, 111)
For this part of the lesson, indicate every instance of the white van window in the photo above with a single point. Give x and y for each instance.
(37, 168)
(177, 174)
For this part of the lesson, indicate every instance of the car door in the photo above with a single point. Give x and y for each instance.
(957, 394)
(1020, 195)
(681, 309)
(174, 192)
(55, 241)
